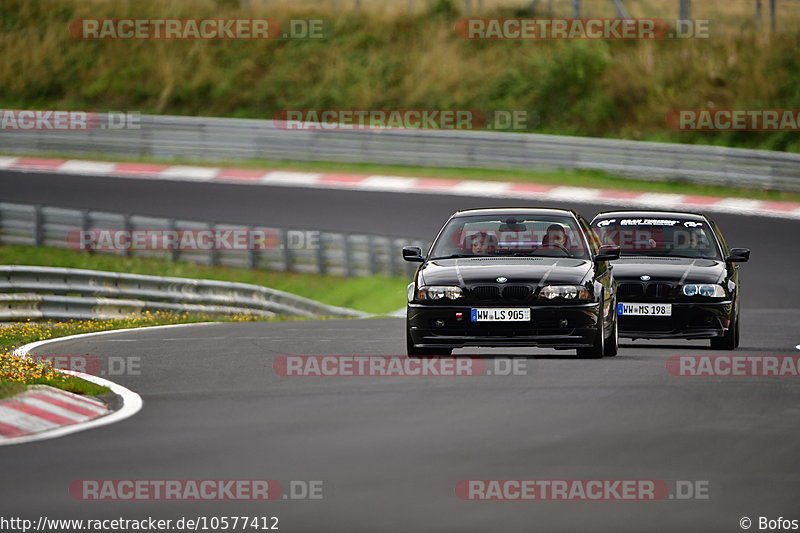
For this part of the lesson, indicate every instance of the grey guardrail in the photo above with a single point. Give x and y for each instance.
(166, 136)
(342, 254)
(69, 293)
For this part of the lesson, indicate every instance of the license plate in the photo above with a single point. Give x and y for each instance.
(644, 309)
(501, 315)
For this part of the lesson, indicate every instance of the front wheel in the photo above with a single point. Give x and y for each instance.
(413, 351)
(730, 341)
(596, 350)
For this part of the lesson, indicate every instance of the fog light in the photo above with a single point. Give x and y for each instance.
(440, 323)
(563, 322)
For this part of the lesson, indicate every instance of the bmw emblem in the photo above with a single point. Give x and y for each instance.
(501, 279)
(645, 278)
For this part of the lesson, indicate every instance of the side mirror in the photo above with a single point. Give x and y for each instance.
(607, 252)
(739, 255)
(413, 254)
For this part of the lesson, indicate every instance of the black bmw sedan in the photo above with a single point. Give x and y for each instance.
(677, 277)
(513, 277)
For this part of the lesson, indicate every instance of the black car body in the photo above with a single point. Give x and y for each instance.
(525, 283)
(677, 277)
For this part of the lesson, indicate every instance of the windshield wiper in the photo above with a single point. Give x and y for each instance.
(459, 256)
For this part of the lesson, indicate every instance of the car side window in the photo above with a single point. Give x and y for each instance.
(591, 236)
(721, 238)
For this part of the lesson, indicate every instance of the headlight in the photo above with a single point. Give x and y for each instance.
(707, 290)
(410, 292)
(566, 292)
(439, 292)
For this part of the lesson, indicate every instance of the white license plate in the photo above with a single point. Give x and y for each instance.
(644, 309)
(501, 315)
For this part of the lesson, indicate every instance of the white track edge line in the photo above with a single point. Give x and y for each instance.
(131, 402)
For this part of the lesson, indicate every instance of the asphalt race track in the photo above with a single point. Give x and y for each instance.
(390, 450)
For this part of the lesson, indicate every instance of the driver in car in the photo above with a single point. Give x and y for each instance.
(555, 237)
(483, 243)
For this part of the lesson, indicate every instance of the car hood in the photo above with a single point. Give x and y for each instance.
(530, 270)
(669, 269)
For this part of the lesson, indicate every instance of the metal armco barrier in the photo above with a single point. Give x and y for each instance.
(231, 139)
(330, 253)
(68, 293)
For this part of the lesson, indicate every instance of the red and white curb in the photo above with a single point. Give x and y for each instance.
(42, 408)
(37, 425)
(402, 184)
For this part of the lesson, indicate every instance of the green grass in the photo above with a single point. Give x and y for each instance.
(8, 388)
(577, 178)
(72, 384)
(373, 294)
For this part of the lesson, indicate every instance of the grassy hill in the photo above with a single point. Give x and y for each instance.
(378, 60)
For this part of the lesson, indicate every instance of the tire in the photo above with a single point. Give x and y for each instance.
(730, 341)
(612, 343)
(413, 351)
(597, 349)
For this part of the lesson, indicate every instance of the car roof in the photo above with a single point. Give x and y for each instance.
(547, 211)
(651, 214)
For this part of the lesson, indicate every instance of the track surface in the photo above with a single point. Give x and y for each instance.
(390, 450)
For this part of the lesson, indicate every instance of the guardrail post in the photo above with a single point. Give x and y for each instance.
(373, 267)
(773, 20)
(758, 14)
(685, 10)
(621, 11)
(38, 224)
(254, 252)
(174, 251)
(128, 226)
(348, 269)
(321, 266)
(86, 225)
(284, 244)
(213, 253)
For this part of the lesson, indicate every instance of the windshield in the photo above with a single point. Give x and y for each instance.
(670, 236)
(510, 235)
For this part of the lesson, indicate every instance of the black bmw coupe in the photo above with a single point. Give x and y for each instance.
(677, 276)
(513, 277)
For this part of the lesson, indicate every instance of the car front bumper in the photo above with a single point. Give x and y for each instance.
(437, 326)
(689, 320)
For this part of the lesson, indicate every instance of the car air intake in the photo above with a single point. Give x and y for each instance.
(516, 292)
(628, 291)
(659, 290)
(486, 292)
